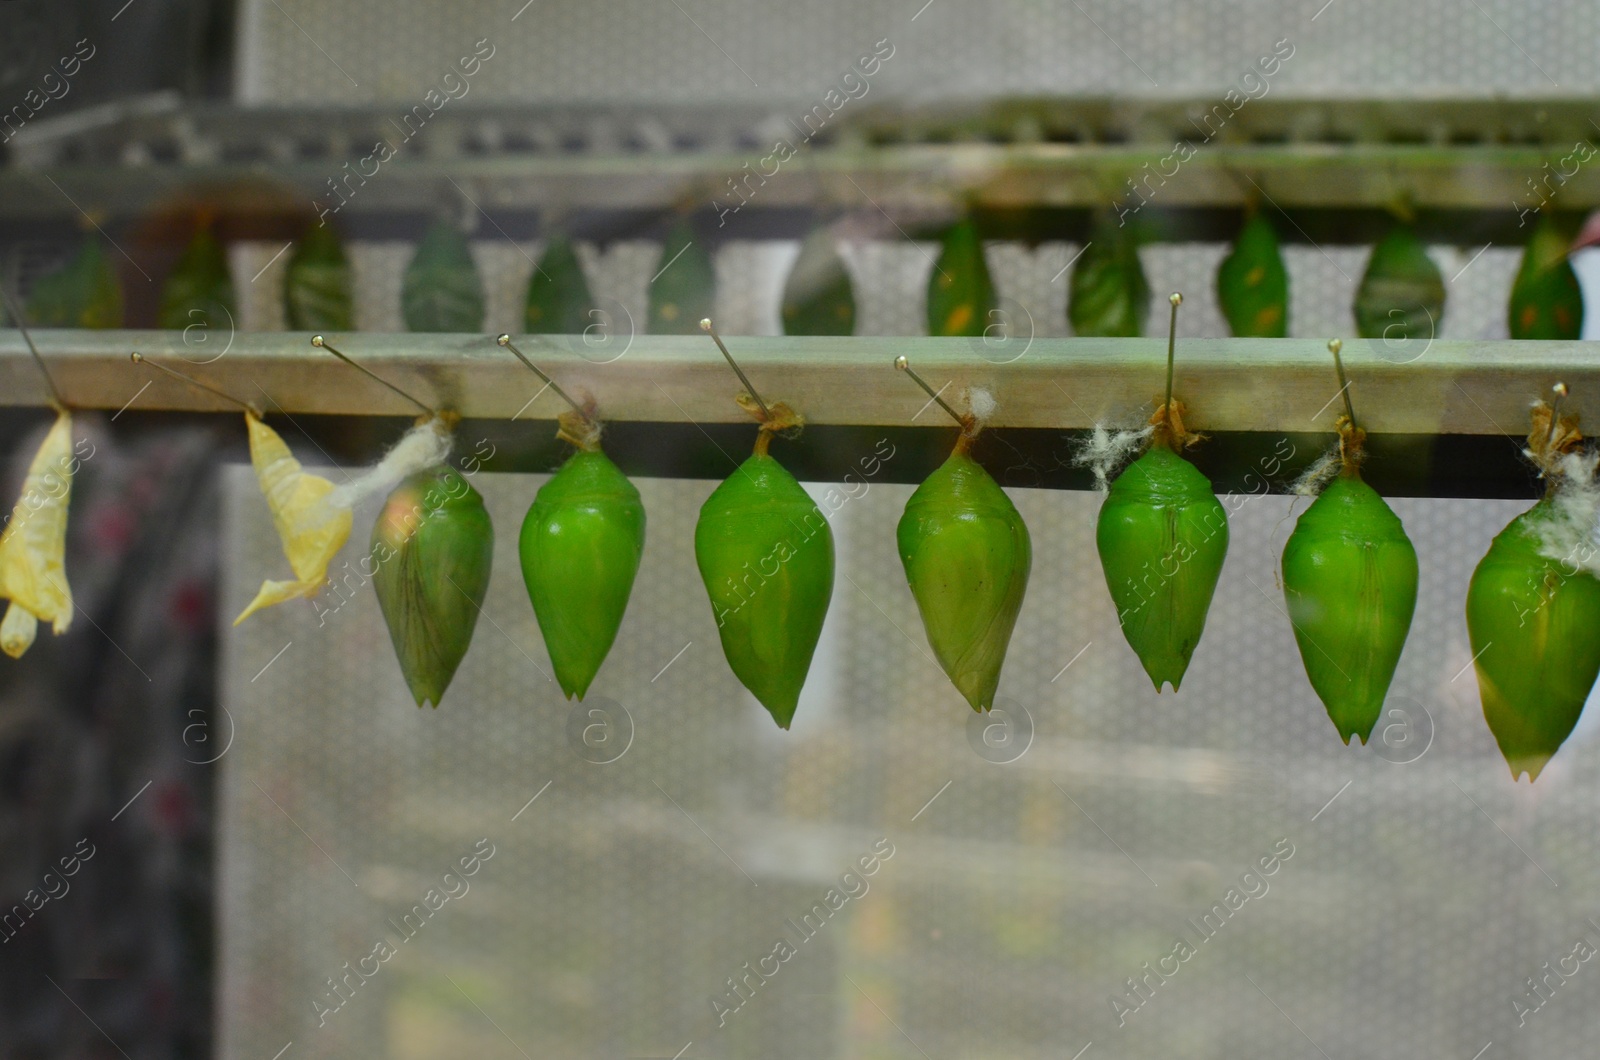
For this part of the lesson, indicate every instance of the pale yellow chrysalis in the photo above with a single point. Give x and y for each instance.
(33, 572)
(312, 530)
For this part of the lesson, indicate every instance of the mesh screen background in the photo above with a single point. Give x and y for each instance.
(1037, 863)
(1021, 894)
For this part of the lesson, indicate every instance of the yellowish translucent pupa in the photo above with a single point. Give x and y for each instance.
(33, 571)
(312, 530)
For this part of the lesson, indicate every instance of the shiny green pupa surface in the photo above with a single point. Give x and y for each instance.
(818, 298)
(685, 284)
(960, 291)
(765, 553)
(199, 290)
(1546, 301)
(1162, 537)
(1350, 580)
(558, 302)
(1253, 284)
(1534, 626)
(967, 555)
(317, 286)
(431, 549)
(580, 547)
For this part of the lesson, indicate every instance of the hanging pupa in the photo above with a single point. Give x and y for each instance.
(33, 546)
(317, 283)
(960, 293)
(199, 290)
(558, 302)
(441, 290)
(1533, 605)
(765, 553)
(431, 550)
(1252, 283)
(817, 297)
(1402, 292)
(1350, 581)
(1109, 296)
(83, 293)
(580, 548)
(967, 555)
(1546, 301)
(685, 284)
(309, 513)
(1162, 536)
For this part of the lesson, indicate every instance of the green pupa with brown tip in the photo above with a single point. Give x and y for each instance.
(967, 555)
(1162, 536)
(432, 548)
(1533, 622)
(1350, 583)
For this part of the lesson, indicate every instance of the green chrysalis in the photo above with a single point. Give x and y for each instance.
(967, 555)
(1534, 622)
(580, 548)
(1109, 295)
(685, 284)
(1253, 285)
(1162, 536)
(765, 553)
(559, 302)
(960, 292)
(1546, 301)
(83, 293)
(1402, 292)
(1350, 581)
(441, 290)
(432, 548)
(317, 284)
(199, 290)
(818, 298)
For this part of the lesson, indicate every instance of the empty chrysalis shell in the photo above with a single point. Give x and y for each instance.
(1350, 581)
(580, 548)
(960, 292)
(967, 555)
(431, 549)
(33, 572)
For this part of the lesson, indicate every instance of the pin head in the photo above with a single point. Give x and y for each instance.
(316, 340)
(1559, 390)
(1335, 345)
(705, 324)
(901, 363)
(136, 357)
(1176, 299)
(504, 340)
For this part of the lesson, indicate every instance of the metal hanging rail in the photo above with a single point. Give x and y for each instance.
(1481, 388)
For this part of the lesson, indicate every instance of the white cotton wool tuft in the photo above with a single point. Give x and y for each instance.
(1105, 452)
(420, 448)
(1314, 479)
(1570, 537)
(982, 403)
